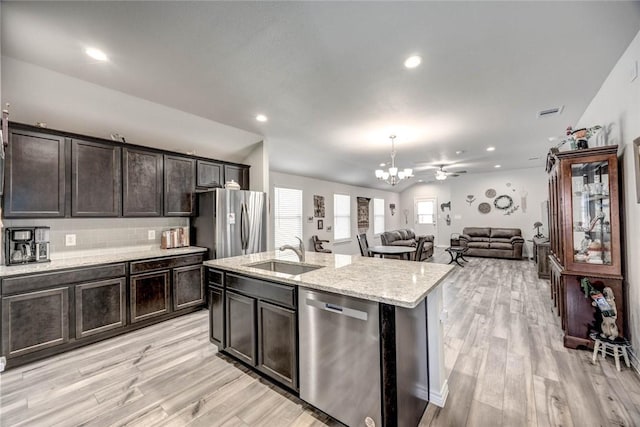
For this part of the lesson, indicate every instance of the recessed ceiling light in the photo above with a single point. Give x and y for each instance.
(497, 166)
(383, 165)
(261, 118)
(459, 151)
(413, 61)
(96, 54)
(420, 180)
(491, 148)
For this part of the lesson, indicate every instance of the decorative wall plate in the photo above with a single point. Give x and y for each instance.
(484, 208)
(503, 202)
(490, 193)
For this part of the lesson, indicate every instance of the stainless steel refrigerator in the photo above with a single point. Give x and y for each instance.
(231, 222)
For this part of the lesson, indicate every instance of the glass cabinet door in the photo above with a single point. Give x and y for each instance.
(591, 205)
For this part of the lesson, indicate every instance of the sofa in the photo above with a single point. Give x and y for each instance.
(407, 237)
(492, 242)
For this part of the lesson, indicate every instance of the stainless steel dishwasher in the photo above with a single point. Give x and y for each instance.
(340, 356)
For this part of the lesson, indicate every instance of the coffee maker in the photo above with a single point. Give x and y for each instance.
(26, 244)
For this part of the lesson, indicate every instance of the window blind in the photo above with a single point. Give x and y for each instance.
(288, 216)
(378, 216)
(341, 216)
(425, 212)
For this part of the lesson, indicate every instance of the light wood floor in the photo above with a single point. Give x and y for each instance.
(503, 349)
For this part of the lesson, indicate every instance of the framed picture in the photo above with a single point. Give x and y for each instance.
(318, 206)
(636, 160)
(320, 224)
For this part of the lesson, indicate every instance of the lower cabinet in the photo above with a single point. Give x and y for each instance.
(149, 295)
(241, 327)
(216, 316)
(100, 306)
(277, 343)
(34, 321)
(188, 288)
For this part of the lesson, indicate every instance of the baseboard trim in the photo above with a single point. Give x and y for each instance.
(439, 398)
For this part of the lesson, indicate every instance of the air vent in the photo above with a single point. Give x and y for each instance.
(551, 111)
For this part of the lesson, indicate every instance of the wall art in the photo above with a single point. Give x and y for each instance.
(318, 206)
(503, 202)
(484, 208)
(470, 199)
(448, 219)
(363, 213)
(320, 224)
(490, 193)
(445, 205)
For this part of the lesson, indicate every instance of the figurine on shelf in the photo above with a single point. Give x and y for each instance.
(581, 136)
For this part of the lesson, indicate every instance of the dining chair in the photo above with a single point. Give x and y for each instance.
(364, 245)
(317, 245)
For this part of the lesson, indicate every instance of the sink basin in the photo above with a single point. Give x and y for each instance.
(284, 267)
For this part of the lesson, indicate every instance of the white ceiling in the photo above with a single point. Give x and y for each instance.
(330, 75)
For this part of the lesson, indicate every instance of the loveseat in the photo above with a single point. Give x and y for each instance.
(492, 242)
(407, 237)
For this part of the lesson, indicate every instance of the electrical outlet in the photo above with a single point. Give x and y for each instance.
(151, 234)
(70, 240)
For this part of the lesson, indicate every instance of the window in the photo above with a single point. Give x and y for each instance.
(378, 216)
(341, 217)
(425, 211)
(288, 216)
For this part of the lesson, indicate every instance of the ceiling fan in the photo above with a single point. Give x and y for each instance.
(442, 174)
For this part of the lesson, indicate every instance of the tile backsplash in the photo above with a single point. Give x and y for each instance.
(101, 233)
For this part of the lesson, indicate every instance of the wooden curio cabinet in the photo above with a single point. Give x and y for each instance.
(584, 236)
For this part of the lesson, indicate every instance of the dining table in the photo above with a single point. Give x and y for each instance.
(383, 250)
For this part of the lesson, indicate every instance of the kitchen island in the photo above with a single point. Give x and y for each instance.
(359, 338)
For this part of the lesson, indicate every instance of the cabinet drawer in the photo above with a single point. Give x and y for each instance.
(215, 277)
(164, 263)
(33, 282)
(274, 292)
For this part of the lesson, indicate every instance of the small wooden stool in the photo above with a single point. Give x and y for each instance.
(611, 348)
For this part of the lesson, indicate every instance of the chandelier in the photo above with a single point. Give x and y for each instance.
(393, 176)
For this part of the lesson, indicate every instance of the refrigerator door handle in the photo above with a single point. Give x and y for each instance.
(243, 225)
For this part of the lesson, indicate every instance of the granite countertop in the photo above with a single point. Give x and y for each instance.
(107, 256)
(390, 281)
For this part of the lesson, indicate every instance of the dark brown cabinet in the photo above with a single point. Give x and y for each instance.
(188, 289)
(239, 174)
(142, 183)
(34, 321)
(210, 174)
(95, 179)
(241, 327)
(216, 316)
(179, 185)
(35, 175)
(149, 295)
(277, 343)
(100, 306)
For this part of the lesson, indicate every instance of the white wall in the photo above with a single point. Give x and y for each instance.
(311, 187)
(515, 183)
(259, 171)
(616, 106)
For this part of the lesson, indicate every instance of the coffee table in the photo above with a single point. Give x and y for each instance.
(392, 250)
(456, 253)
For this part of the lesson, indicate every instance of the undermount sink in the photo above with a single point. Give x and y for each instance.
(284, 267)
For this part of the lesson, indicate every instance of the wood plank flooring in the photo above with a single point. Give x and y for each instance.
(503, 348)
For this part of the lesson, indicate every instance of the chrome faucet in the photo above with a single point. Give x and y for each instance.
(299, 250)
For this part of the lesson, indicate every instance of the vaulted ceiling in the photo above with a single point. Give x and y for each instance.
(330, 75)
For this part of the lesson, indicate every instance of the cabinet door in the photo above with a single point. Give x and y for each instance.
(100, 306)
(188, 290)
(216, 316)
(239, 174)
(95, 179)
(34, 321)
(209, 174)
(35, 176)
(277, 343)
(142, 183)
(149, 295)
(241, 327)
(179, 185)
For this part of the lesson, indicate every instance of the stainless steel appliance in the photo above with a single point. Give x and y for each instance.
(340, 356)
(231, 222)
(26, 244)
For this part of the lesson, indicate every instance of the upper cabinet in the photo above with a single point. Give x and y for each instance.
(239, 174)
(95, 179)
(179, 185)
(210, 174)
(142, 186)
(35, 175)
